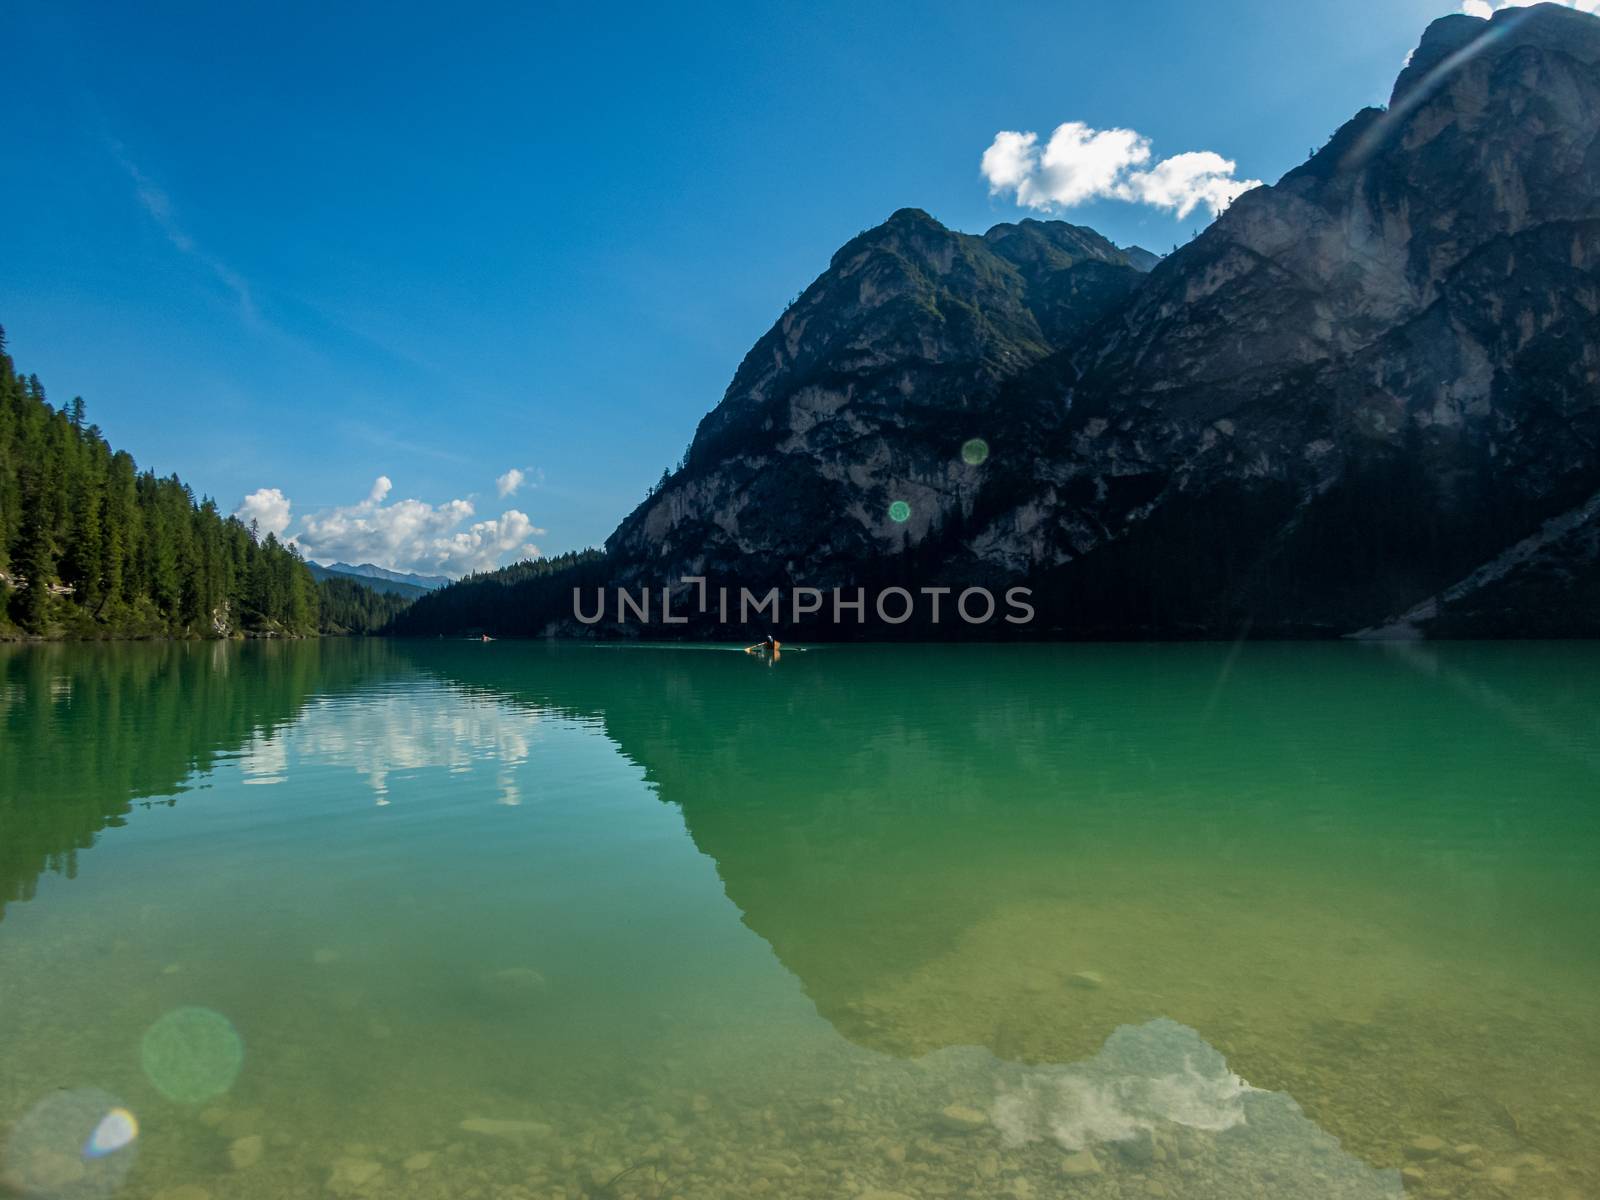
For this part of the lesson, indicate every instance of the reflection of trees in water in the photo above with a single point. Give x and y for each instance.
(87, 731)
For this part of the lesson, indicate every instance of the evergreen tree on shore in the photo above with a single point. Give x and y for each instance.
(92, 547)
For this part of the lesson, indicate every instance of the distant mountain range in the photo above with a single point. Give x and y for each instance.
(1365, 401)
(381, 579)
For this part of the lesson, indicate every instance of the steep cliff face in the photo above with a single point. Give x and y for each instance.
(1381, 372)
(1366, 398)
(863, 391)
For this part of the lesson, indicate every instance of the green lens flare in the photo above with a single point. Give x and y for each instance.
(900, 512)
(974, 451)
(192, 1054)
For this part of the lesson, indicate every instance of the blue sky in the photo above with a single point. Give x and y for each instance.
(314, 248)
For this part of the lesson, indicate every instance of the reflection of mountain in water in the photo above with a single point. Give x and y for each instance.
(85, 731)
(1303, 852)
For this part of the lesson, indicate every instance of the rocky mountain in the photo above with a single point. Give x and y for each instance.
(1366, 400)
(906, 342)
(1368, 395)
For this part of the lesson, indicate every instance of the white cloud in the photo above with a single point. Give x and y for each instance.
(268, 508)
(1184, 181)
(507, 484)
(412, 535)
(1080, 164)
(1482, 8)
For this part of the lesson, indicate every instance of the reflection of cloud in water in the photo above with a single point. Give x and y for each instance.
(380, 735)
(1151, 1084)
(265, 759)
(1143, 1076)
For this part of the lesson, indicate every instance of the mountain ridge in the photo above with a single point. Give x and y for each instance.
(370, 571)
(1364, 399)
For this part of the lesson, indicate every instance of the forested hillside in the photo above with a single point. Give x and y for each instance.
(521, 600)
(92, 547)
(350, 607)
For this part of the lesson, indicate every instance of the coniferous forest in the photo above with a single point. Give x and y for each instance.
(91, 547)
(346, 606)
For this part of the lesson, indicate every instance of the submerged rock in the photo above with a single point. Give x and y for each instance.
(353, 1175)
(246, 1152)
(490, 1127)
(958, 1118)
(1080, 1165)
(1425, 1147)
(1140, 1149)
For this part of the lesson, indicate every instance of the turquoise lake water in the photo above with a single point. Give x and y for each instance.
(527, 922)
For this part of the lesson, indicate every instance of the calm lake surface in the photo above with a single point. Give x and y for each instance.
(523, 922)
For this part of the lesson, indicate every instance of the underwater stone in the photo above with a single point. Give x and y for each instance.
(1080, 1165)
(1140, 1149)
(505, 1129)
(958, 1118)
(352, 1174)
(246, 1152)
(1425, 1147)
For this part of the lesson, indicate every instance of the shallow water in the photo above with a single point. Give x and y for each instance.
(514, 920)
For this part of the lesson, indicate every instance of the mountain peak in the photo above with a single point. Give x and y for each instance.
(1453, 40)
(911, 218)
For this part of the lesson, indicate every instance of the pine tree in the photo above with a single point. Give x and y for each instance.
(35, 559)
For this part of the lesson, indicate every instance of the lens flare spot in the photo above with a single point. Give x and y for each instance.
(191, 1055)
(72, 1145)
(118, 1128)
(974, 452)
(899, 512)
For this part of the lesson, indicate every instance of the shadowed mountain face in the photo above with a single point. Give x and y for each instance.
(1366, 398)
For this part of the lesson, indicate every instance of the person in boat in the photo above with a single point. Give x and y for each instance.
(768, 645)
